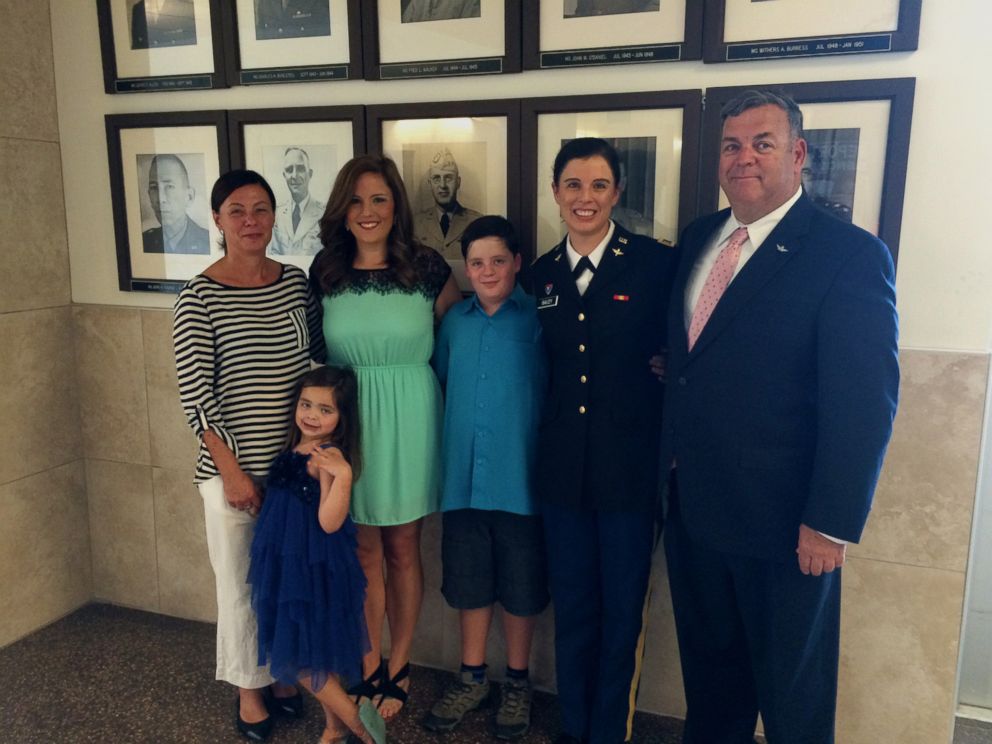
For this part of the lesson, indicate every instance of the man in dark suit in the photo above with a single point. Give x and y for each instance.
(290, 19)
(601, 295)
(782, 385)
(162, 23)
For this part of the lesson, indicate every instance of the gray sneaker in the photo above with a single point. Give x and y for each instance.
(462, 696)
(513, 714)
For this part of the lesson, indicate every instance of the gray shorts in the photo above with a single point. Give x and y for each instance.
(494, 556)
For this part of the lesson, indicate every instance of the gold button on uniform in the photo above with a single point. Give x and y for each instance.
(582, 347)
(583, 379)
(582, 316)
(582, 409)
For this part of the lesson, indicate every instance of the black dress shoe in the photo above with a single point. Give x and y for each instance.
(254, 731)
(291, 707)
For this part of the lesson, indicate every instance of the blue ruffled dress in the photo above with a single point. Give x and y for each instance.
(307, 587)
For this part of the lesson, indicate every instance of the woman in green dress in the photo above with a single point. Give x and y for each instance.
(381, 295)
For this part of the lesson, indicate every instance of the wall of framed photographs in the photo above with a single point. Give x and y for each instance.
(80, 71)
(905, 584)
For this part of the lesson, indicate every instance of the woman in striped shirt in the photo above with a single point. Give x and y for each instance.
(245, 330)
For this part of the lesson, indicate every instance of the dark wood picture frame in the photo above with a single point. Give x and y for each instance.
(594, 52)
(376, 116)
(690, 103)
(113, 82)
(508, 62)
(904, 38)
(287, 245)
(898, 92)
(238, 74)
(130, 277)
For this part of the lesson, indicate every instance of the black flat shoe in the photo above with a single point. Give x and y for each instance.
(291, 707)
(254, 731)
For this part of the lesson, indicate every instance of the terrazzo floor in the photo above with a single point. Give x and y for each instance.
(113, 675)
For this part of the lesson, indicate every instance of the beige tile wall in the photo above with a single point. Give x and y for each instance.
(44, 549)
(904, 583)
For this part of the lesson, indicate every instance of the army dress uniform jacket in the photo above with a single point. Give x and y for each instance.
(599, 436)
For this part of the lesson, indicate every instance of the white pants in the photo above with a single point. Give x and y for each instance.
(229, 534)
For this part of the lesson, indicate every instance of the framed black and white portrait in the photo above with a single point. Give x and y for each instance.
(162, 167)
(457, 160)
(299, 152)
(580, 33)
(161, 45)
(440, 38)
(296, 41)
(857, 136)
(740, 30)
(656, 137)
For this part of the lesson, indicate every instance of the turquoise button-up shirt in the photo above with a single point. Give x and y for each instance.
(494, 373)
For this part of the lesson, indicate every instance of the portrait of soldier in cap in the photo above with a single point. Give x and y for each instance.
(441, 225)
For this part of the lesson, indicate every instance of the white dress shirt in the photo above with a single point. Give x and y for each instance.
(757, 231)
(582, 282)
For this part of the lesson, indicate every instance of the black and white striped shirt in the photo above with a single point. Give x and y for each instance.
(239, 353)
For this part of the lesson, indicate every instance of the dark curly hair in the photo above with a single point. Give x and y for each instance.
(331, 265)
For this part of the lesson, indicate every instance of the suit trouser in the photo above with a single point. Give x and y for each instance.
(753, 635)
(229, 535)
(599, 564)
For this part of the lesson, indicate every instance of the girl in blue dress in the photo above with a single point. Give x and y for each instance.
(307, 587)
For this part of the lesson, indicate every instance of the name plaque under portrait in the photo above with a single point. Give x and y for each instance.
(293, 75)
(400, 70)
(810, 47)
(612, 56)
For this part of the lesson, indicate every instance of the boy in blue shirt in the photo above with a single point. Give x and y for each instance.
(489, 356)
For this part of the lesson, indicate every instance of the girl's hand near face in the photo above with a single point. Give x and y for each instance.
(331, 461)
(335, 487)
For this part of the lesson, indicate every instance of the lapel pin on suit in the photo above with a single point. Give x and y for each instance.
(781, 248)
(617, 251)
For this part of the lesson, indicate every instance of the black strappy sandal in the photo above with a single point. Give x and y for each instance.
(389, 687)
(370, 687)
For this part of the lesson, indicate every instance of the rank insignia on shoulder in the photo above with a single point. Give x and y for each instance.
(622, 240)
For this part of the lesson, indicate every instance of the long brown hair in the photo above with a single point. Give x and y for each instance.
(331, 265)
(347, 435)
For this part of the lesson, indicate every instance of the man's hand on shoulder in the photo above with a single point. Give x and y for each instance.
(818, 554)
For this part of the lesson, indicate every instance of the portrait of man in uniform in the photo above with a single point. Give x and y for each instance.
(831, 170)
(297, 228)
(416, 11)
(441, 225)
(292, 19)
(162, 23)
(170, 196)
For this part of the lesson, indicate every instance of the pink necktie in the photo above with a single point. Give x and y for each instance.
(716, 283)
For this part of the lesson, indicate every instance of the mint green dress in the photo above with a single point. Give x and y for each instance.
(385, 332)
